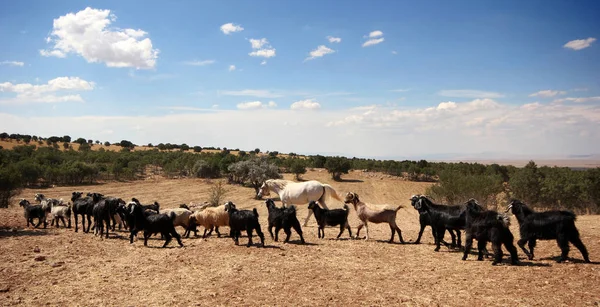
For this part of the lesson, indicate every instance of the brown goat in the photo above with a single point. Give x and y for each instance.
(366, 214)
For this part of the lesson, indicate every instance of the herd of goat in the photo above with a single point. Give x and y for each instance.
(478, 223)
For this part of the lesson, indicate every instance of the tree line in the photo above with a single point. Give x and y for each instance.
(548, 187)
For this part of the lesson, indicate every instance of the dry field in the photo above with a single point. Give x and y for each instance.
(83, 270)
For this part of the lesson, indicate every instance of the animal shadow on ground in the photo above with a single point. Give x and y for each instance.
(349, 180)
(267, 246)
(529, 263)
(395, 242)
(298, 242)
(571, 260)
(23, 232)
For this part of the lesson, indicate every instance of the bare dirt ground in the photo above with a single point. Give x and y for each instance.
(84, 270)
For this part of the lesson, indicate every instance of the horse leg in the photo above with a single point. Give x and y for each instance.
(310, 212)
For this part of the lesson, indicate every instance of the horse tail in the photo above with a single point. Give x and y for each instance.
(330, 192)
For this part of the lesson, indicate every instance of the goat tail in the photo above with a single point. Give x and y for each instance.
(330, 192)
(399, 207)
(172, 216)
(69, 209)
(135, 200)
(157, 206)
(346, 208)
(255, 212)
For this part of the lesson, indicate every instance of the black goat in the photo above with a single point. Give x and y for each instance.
(33, 211)
(80, 206)
(425, 220)
(243, 220)
(556, 225)
(330, 217)
(104, 211)
(152, 223)
(442, 217)
(283, 218)
(155, 206)
(488, 225)
(89, 209)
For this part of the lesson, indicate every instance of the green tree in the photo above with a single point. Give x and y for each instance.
(298, 168)
(80, 141)
(253, 172)
(337, 166)
(197, 148)
(107, 143)
(526, 184)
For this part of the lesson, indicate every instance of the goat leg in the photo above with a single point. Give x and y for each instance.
(468, 245)
(577, 242)
(270, 229)
(521, 244)
(358, 230)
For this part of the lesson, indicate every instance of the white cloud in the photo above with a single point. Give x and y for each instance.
(253, 105)
(469, 94)
(470, 127)
(252, 93)
(579, 44)
(262, 48)
(547, 93)
(231, 67)
(12, 63)
(264, 62)
(28, 93)
(199, 63)
(400, 90)
(229, 28)
(319, 52)
(394, 52)
(446, 105)
(258, 43)
(375, 33)
(87, 33)
(332, 39)
(265, 53)
(373, 41)
(307, 104)
(578, 99)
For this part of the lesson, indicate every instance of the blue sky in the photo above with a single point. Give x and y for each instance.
(436, 78)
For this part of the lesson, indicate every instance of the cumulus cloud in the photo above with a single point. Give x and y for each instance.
(12, 63)
(547, 93)
(231, 67)
(87, 34)
(262, 48)
(28, 93)
(229, 28)
(579, 44)
(253, 105)
(332, 39)
(308, 104)
(199, 63)
(252, 93)
(471, 126)
(469, 94)
(319, 52)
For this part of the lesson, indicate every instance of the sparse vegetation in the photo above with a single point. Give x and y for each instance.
(541, 187)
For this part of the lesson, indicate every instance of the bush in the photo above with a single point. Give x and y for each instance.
(205, 169)
(298, 168)
(10, 185)
(217, 193)
(80, 141)
(253, 172)
(337, 166)
(107, 143)
(197, 149)
(454, 188)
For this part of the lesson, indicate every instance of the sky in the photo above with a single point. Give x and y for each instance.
(388, 79)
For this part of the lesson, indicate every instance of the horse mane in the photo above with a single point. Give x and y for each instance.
(280, 183)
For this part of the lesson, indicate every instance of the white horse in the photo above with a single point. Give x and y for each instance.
(299, 193)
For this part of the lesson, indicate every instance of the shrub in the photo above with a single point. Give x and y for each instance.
(197, 149)
(10, 185)
(217, 193)
(454, 188)
(298, 168)
(107, 143)
(337, 166)
(205, 169)
(253, 172)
